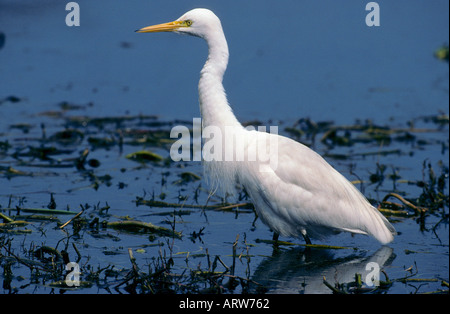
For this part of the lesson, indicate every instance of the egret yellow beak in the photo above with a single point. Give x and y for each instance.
(165, 27)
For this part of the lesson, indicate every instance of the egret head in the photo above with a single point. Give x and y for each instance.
(197, 22)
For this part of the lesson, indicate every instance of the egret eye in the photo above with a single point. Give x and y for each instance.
(188, 22)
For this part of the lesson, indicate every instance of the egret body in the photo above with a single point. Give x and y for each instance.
(301, 195)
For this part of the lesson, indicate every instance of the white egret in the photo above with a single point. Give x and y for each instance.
(301, 194)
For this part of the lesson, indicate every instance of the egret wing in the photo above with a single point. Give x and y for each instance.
(301, 191)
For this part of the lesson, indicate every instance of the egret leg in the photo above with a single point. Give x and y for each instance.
(307, 239)
(305, 236)
(275, 248)
(275, 237)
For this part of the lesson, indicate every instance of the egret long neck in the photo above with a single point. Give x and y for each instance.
(214, 107)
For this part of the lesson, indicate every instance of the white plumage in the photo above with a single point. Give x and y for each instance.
(298, 195)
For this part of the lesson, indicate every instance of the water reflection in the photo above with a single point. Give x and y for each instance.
(300, 271)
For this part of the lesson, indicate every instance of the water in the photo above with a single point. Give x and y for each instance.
(308, 59)
(288, 61)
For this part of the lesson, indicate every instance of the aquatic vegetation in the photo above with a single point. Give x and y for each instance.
(442, 53)
(103, 193)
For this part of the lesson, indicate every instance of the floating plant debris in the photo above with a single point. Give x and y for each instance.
(442, 53)
(162, 238)
(138, 226)
(144, 156)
